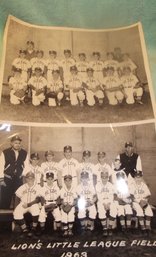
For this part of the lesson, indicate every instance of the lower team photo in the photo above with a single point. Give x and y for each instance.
(77, 183)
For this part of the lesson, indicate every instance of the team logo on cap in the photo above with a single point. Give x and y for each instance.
(49, 153)
(14, 138)
(128, 144)
(84, 175)
(49, 174)
(67, 148)
(86, 153)
(34, 156)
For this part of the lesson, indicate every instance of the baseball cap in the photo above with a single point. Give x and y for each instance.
(39, 52)
(34, 156)
(49, 153)
(67, 51)
(49, 174)
(101, 154)
(138, 174)
(96, 53)
(67, 148)
(90, 69)
(38, 69)
(67, 177)
(84, 175)
(30, 174)
(17, 70)
(83, 54)
(55, 71)
(29, 42)
(128, 144)
(22, 51)
(52, 52)
(73, 68)
(14, 138)
(104, 174)
(86, 153)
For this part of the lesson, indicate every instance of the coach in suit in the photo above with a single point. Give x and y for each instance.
(12, 162)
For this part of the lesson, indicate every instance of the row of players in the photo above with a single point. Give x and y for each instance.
(52, 63)
(76, 89)
(105, 200)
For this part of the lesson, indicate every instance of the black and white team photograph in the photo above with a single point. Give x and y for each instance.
(77, 190)
(64, 75)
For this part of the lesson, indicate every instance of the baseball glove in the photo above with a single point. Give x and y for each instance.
(20, 93)
(50, 207)
(66, 208)
(143, 203)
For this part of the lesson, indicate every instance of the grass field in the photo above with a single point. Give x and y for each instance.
(76, 114)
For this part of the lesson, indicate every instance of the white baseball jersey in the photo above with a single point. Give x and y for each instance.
(122, 189)
(97, 66)
(92, 83)
(50, 194)
(82, 66)
(102, 168)
(17, 83)
(86, 191)
(105, 192)
(36, 170)
(68, 195)
(49, 166)
(69, 167)
(129, 81)
(111, 63)
(38, 63)
(52, 64)
(140, 191)
(66, 64)
(74, 82)
(129, 63)
(87, 168)
(55, 85)
(28, 194)
(22, 63)
(38, 83)
(111, 82)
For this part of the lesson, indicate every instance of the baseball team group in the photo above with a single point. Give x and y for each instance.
(70, 190)
(77, 80)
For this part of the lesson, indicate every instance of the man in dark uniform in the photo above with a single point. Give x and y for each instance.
(12, 162)
(130, 161)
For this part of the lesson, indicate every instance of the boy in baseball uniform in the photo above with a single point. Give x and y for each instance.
(35, 168)
(93, 89)
(68, 166)
(127, 62)
(68, 201)
(124, 202)
(97, 65)
(132, 89)
(102, 166)
(38, 62)
(82, 66)
(86, 203)
(37, 84)
(54, 91)
(30, 51)
(105, 195)
(51, 195)
(75, 87)
(110, 62)
(50, 165)
(28, 195)
(140, 203)
(52, 64)
(18, 87)
(112, 87)
(66, 63)
(86, 166)
(22, 63)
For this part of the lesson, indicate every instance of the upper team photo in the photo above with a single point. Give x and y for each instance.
(56, 75)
